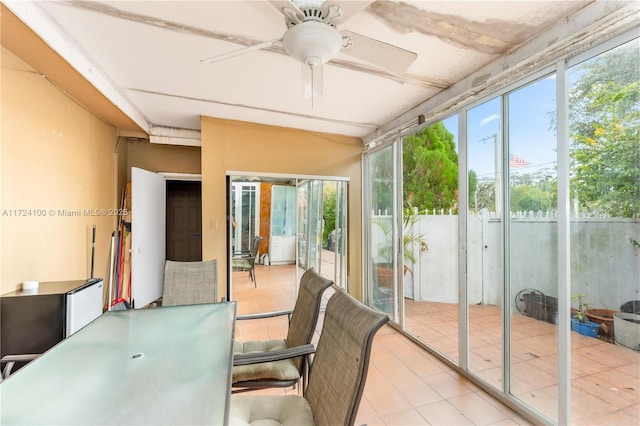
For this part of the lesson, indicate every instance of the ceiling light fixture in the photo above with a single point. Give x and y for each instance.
(312, 43)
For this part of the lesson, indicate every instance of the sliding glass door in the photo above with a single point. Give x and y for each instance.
(383, 214)
(245, 202)
(322, 228)
(528, 281)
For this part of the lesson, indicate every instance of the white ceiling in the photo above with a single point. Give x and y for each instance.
(145, 56)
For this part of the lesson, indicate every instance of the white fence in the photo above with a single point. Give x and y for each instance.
(604, 253)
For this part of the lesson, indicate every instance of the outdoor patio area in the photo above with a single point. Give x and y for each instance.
(406, 385)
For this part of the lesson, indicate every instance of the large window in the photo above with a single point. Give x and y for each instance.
(524, 276)
(604, 188)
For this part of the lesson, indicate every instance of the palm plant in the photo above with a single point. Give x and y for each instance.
(410, 238)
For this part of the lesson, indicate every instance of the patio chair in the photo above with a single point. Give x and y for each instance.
(8, 362)
(246, 261)
(188, 283)
(337, 375)
(302, 324)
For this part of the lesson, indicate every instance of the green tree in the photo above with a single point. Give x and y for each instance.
(485, 195)
(473, 187)
(328, 210)
(430, 169)
(528, 198)
(604, 124)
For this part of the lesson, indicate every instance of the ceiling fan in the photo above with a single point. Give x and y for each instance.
(313, 39)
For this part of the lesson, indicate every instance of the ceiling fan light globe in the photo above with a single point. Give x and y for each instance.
(312, 42)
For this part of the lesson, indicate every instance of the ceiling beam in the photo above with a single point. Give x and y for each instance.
(174, 136)
(48, 30)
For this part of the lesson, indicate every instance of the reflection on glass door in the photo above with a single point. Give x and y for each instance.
(383, 243)
(337, 237)
(302, 197)
(310, 224)
(322, 242)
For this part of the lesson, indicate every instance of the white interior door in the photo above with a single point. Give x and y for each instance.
(148, 215)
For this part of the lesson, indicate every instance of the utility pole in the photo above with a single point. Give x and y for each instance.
(497, 162)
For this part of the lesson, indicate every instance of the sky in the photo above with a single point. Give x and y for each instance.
(531, 109)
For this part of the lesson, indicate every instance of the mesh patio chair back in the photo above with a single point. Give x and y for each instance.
(188, 283)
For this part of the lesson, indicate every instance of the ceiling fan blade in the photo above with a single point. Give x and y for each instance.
(349, 8)
(378, 53)
(286, 8)
(239, 52)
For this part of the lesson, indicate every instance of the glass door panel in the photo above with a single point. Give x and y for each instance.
(532, 246)
(282, 238)
(338, 242)
(485, 273)
(604, 190)
(384, 245)
(245, 200)
(303, 220)
(430, 236)
(322, 207)
(310, 224)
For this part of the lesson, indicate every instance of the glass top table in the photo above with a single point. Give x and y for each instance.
(169, 365)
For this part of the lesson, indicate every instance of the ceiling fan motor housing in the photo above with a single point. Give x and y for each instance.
(312, 43)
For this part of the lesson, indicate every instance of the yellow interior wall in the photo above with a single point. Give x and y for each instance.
(163, 158)
(240, 146)
(56, 156)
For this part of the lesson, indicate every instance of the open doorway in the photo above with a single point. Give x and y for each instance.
(184, 221)
(149, 243)
(288, 213)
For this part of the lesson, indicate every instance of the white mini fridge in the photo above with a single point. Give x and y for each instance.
(32, 321)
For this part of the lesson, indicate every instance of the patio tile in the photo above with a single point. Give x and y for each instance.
(385, 399)
(443, 413)
(476, 409)
(405, 418)
(541, 400)
(367, 415)
(449, 384)
(407, 385)
(417, 392)
(491, 375)
(402, 347)
(396, 370)
(443, 344)
(425, 365)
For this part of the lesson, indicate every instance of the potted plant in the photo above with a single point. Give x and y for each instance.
(580, 322)
(604, 317)
(410, 240)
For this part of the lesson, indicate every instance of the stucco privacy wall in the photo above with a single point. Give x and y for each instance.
(56, 157)
(605, 263)
(240, 146)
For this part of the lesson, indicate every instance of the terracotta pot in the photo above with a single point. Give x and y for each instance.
(385, 276)
(604, 317)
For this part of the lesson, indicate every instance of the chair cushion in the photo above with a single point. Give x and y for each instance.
(267, 410)
(280, 370)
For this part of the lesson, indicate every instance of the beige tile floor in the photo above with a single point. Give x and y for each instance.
(408, 386)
